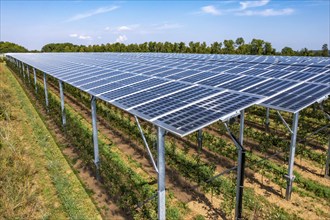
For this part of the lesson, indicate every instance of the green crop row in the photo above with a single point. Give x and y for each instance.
(121, 181)
(189, 167)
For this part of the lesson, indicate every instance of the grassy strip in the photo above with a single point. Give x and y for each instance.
(73, 197)
(121, 181)
(26, 189)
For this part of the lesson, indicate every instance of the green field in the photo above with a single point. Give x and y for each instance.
(127, 175)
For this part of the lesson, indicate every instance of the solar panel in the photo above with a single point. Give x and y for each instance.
(185, 92)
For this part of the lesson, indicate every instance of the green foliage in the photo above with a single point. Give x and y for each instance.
(135, 188)
(239, 46)
(8, 47)
(325, 50)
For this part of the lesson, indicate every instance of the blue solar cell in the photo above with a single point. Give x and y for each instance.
(178, 85)
(219, 79)
(183, 74)
(241, 83)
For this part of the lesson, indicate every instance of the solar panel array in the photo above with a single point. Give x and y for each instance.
(185, 92)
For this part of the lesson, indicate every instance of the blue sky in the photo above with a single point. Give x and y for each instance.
(297, 24)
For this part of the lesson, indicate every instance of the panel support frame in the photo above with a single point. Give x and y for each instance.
(284, 122)
(62, 103)
(95, 137)
(267, 123)
(146, 144)
(200, 140)
(327, 163)
(240, 167)
(35, 80)
(161, 173)
(28, 73)
(46, 91)
(23, 70)
(290, 177)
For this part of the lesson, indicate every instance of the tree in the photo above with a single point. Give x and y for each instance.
(325, 50)
(268, 49)
(257, 46)
(287, 51)
(240, 46)
(216, 47)
(305, 52)
(229, 47)
(8, 47)
(182, 47)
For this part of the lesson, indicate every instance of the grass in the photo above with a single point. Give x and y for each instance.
(35, 179)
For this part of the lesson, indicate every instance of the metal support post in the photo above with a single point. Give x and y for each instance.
(240, 183)
(62, 102)
(23, 70)
(35, 79)
(240, 168)
(267, 117)
(46, 90)
(241, 128)
(28, 73)
(290, 176)
(146, 144)
(327, 164)
(95, 137)
(161, 173)
(284, 122)
(200, 140)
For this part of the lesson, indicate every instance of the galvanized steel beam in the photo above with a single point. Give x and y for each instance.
(290, 176)
(35, 79)
(327, 164)
(62, 103)
(146, 144)
(161, 173)
(200, 139)
(95, 136)
(46, 90)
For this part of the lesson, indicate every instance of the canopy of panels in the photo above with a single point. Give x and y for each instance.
(183, 93)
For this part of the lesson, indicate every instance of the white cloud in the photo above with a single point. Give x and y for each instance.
(167, 26)
(121, 38)
(101, 10)
(210, 9)
(267, 12)
(253, 4)
(123, 28)
(245, 9)
(84, 37)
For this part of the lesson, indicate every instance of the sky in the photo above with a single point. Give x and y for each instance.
(297, 24)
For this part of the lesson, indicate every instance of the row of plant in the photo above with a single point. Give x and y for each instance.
(190, 167)
(309, 121)
(120, 180)
(267, 167)
(125, 123)
(268, 143)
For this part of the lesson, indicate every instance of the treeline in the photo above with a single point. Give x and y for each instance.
(239, 46)
(7, 47)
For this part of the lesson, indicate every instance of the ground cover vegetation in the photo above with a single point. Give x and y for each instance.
(238, 46)
(131, 183)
